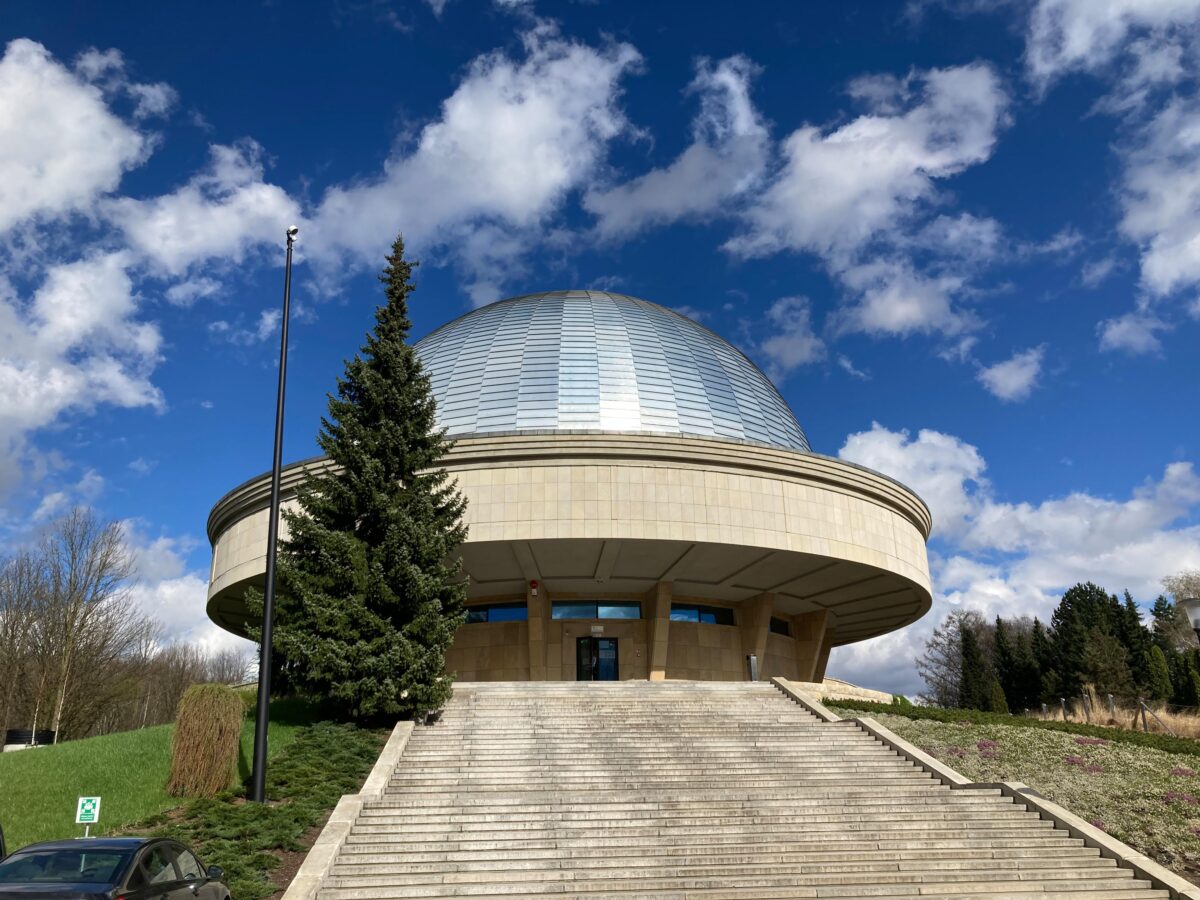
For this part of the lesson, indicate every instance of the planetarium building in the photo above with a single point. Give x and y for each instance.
(642, 503)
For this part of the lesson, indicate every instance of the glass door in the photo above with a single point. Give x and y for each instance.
(596, 659)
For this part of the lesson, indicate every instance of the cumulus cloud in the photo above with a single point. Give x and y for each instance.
(61, 148)
(1015, 558)
(1016, 377)
(1160, 198)
(944, 470)
(1135, 333)
(172, 595)
(1085, 35)
(726, 158)
(107, 69)
(224, 213)
(839, 189)
(512, 141)
(792, 342)
(851, 194)
(76, 344)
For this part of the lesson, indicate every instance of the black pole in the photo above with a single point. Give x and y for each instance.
(259, 782)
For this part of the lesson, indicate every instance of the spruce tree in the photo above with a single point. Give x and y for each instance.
(1160, 674)
(1136, 638)
(371, 585)
(1004, 661)
(997, 702)
(974, 690)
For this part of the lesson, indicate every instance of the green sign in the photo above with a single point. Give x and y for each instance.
(88, 811)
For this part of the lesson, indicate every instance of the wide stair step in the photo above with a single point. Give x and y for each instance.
(689, 791)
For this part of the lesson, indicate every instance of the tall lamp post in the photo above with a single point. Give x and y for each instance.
(1191, 607)
(259, 780)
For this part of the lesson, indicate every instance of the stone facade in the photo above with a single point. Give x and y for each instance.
(835, 551)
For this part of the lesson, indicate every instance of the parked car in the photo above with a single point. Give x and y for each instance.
(120, 868)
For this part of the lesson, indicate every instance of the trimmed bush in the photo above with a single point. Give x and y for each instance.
(204, 748)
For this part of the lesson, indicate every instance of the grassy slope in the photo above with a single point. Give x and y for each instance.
(39, 788)
(1130, 789)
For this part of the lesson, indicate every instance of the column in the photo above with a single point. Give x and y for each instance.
(756, 625)
(658, 629)
(539, 614)
(811, 634)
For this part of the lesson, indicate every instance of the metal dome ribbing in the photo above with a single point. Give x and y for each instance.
(597, 361)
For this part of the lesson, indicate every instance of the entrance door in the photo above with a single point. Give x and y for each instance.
(596, 659)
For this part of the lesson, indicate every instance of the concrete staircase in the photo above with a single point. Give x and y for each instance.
(689, 790)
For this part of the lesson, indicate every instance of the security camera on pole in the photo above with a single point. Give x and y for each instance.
(259, 780)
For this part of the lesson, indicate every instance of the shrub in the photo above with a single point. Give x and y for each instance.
(204, 748)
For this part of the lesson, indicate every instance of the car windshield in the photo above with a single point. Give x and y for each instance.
(63, 866)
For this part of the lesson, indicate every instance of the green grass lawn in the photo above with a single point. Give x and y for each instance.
(39, 788)
(1145, 796)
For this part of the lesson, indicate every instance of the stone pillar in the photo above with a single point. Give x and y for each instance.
(811, 634)
(539, 615)
(756, 625)
(659, 628)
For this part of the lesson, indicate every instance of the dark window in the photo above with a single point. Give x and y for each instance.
(781, 626)
(604, 609)
(708, 615)
(62, 866)
(497, 612)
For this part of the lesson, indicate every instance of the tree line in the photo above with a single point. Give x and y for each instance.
(77, 656)
(1093, 639)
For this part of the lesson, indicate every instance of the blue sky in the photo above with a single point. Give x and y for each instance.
(963, 237)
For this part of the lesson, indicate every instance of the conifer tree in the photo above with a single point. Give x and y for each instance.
(997, 702)
(1004, 661)
(973, 687)
(1160, 674)
(371, 586)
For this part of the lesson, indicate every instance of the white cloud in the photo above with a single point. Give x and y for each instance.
(1160, 198)
(728, 154)
(1086, 35)
(945, 471)
(893, 298)
(1097, 271)
(222, 213)
(185, 293)
(512, 141)
(75, 344)
(171, 594)
(1135, 333)
(60, 146)
(1016, 377)
(851, 195)
(1013, 559)
(847, 365)
(840, 189)
(107, 70)
(792, 342)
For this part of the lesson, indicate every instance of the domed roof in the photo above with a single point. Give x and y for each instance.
(595, 361)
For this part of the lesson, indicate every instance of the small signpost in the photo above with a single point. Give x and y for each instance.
(87, 813)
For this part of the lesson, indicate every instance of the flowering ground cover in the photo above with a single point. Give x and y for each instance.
(1148, 798)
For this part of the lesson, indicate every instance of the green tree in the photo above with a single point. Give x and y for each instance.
(973, 687)
(1004, 660)
(1082, 608)
(1160, 675)
(1136, 639)
(1105, 663)
(371, 584)
(997, 702)
(1044, 659)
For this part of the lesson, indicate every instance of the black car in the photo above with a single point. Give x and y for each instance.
(121, 868)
